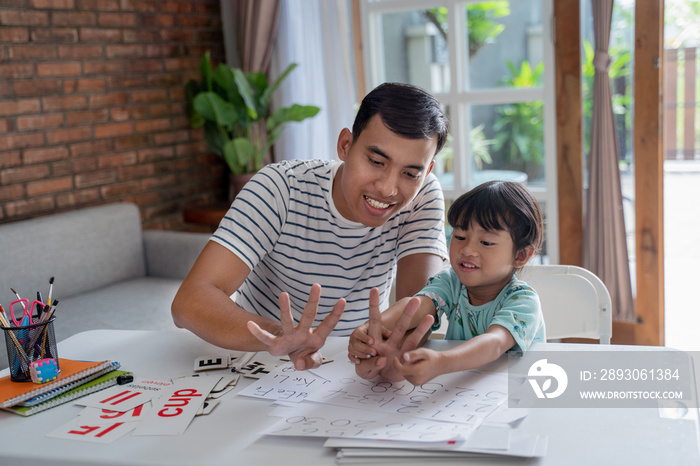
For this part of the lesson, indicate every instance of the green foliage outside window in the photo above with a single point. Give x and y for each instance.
(481, 27)
(519, 127)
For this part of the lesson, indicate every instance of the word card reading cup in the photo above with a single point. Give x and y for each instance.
(176, 406)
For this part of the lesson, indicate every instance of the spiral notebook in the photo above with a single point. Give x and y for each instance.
(85, 388)
(12, 393)
(53, 393)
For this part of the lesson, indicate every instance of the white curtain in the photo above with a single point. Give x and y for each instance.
(315, 34)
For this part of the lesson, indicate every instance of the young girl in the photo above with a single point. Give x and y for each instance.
(497, 228)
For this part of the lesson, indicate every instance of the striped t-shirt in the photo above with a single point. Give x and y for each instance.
(285, 227)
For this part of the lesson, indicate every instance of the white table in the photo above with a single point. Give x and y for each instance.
(229, 435)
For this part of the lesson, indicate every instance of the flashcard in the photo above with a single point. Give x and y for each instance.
(239, 360)
(214, 395)
(207, 407)
(77, 429)
(91, 415)
(187, 376)
(124, 397)
(176, 406)
(323, 361)
(225, 382)
(205, 363)
(256, 369)
(225, 385)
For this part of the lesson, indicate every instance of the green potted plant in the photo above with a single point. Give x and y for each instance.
(234, 109)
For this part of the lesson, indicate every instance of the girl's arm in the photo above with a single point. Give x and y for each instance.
(423, 364)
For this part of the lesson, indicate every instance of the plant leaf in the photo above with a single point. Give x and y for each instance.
(223, 80)
(191, 90)
(267, 93)
(205, 71)
(246, 92)
(294, 113)
(213, 108)
(229, 155)
(238, 154)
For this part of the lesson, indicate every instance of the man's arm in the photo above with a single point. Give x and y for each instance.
(203, 304)
(412, 273)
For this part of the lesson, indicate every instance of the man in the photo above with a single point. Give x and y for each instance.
(346, 225)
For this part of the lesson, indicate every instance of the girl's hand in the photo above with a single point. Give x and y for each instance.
(397, 343)
(419, 366)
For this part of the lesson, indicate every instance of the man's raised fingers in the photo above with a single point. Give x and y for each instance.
(286, 319)
(262, 335)
(331, 320)
(311, 308)
(375, 316)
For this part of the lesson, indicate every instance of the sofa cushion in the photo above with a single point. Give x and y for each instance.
(134, 304)
(84, 250)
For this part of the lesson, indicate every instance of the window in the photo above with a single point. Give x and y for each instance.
(491, 65)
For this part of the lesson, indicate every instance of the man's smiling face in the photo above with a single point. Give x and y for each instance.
(382, 172)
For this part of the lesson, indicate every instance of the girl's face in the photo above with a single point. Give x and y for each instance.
(484, 261)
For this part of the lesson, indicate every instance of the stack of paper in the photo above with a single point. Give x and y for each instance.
(453, 416)
(76, 379)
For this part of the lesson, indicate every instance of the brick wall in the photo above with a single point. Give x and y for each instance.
(92, 106)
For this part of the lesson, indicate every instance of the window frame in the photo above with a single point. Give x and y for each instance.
(459, 97)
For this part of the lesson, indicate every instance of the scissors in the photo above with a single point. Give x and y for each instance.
(27, 311)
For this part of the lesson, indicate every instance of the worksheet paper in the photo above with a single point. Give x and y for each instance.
(463, 397)
(317, 420)
(481, 444)
(493, 440)
(441, 413)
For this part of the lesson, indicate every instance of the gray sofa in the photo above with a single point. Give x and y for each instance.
(109, 272)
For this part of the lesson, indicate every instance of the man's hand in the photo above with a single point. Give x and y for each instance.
(361, 344)
(389, 347)
(300, 343)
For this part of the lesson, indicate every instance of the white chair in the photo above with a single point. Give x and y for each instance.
(575, 302)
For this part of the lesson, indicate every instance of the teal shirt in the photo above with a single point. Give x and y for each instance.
(516, 308)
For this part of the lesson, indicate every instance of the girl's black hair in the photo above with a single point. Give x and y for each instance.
(501, 205)
(407, 110)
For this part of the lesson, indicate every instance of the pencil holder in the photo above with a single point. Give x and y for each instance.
(27, 344)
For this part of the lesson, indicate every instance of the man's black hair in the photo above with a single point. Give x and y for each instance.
(407, 110)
